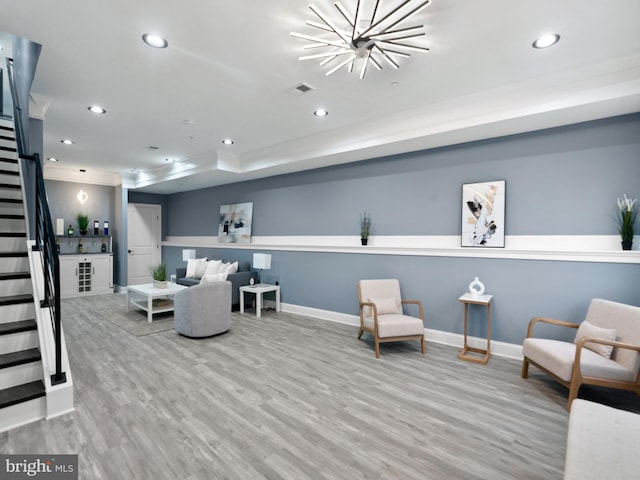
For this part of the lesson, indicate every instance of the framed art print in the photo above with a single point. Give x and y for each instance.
(235, 223)
(483, 206)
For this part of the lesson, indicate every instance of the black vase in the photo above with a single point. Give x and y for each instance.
(364, 241)
(627, 244)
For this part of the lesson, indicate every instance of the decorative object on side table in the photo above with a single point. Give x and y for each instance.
(626, 218)
(476, 288)
(83, 223)
(366, 227)
(159, 273)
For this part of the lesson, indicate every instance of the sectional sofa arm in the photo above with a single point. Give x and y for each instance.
(181, 272)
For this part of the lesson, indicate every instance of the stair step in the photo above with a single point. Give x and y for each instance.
(17, 312)
(13, 234)
(16, 299)
(9, 172)
(14, 275)
(10, 185)
(10, 216)
(11, 200)
(13, 254)
(21, 393)
(17, 327)
(19, 358)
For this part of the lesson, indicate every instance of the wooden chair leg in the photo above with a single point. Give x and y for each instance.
(422, 345)
(525, 368)
(573, 393)
(360, 332)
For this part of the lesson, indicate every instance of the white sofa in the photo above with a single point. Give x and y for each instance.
(602, 443)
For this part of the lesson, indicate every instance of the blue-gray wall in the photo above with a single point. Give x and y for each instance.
(63, 203)
(561, 181)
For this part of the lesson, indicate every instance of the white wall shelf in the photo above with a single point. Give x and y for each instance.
(585, 248)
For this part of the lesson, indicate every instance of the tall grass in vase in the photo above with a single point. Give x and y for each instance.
(626, 218)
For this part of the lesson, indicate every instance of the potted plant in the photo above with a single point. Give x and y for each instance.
(366, 227)
(83, 223)
(626, 218)
(159, 273)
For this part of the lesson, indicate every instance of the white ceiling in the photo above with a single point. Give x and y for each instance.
(230, 64)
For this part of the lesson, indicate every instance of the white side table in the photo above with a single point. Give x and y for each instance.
(484, 300)
(259, 290)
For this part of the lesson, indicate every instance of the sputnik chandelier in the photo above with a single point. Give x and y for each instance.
(371, 36)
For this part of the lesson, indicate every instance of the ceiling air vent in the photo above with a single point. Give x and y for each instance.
(301, 89)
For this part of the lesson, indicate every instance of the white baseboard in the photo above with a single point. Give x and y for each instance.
(500, 349)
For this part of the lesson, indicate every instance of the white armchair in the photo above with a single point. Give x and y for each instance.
(606, 351)
(382, 316)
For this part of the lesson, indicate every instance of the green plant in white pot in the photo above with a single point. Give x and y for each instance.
(159, 273)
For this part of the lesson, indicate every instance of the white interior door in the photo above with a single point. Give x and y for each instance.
(143, 241)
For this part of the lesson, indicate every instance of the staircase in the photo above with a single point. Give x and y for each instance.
(22, 390)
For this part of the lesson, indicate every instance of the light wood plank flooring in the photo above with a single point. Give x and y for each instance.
(290, 397)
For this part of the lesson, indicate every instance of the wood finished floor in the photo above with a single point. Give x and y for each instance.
(289, 397)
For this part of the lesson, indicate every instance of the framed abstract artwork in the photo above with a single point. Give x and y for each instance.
(235, 223)
(483, 206)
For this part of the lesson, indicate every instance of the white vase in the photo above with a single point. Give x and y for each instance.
(476, 288)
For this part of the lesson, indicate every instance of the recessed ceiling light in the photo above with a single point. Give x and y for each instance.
(546, 40)
(227, 141)
(97, 109)
(66, 141)
(52, 159)
(321, 112)
(154, 40)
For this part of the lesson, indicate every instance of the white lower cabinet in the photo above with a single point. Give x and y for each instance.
(82, 275)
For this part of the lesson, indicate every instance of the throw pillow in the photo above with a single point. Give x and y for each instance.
(196, 267)
(229, 267)
(213, 267)
(213, 278)
(587, 329)
(386, 306)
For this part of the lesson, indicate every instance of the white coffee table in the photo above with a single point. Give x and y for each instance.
(259, 289)
(142, 296)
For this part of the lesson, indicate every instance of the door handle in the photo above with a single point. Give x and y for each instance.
(129, 251)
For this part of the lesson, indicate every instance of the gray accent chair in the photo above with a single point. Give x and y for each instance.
(203, 310)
